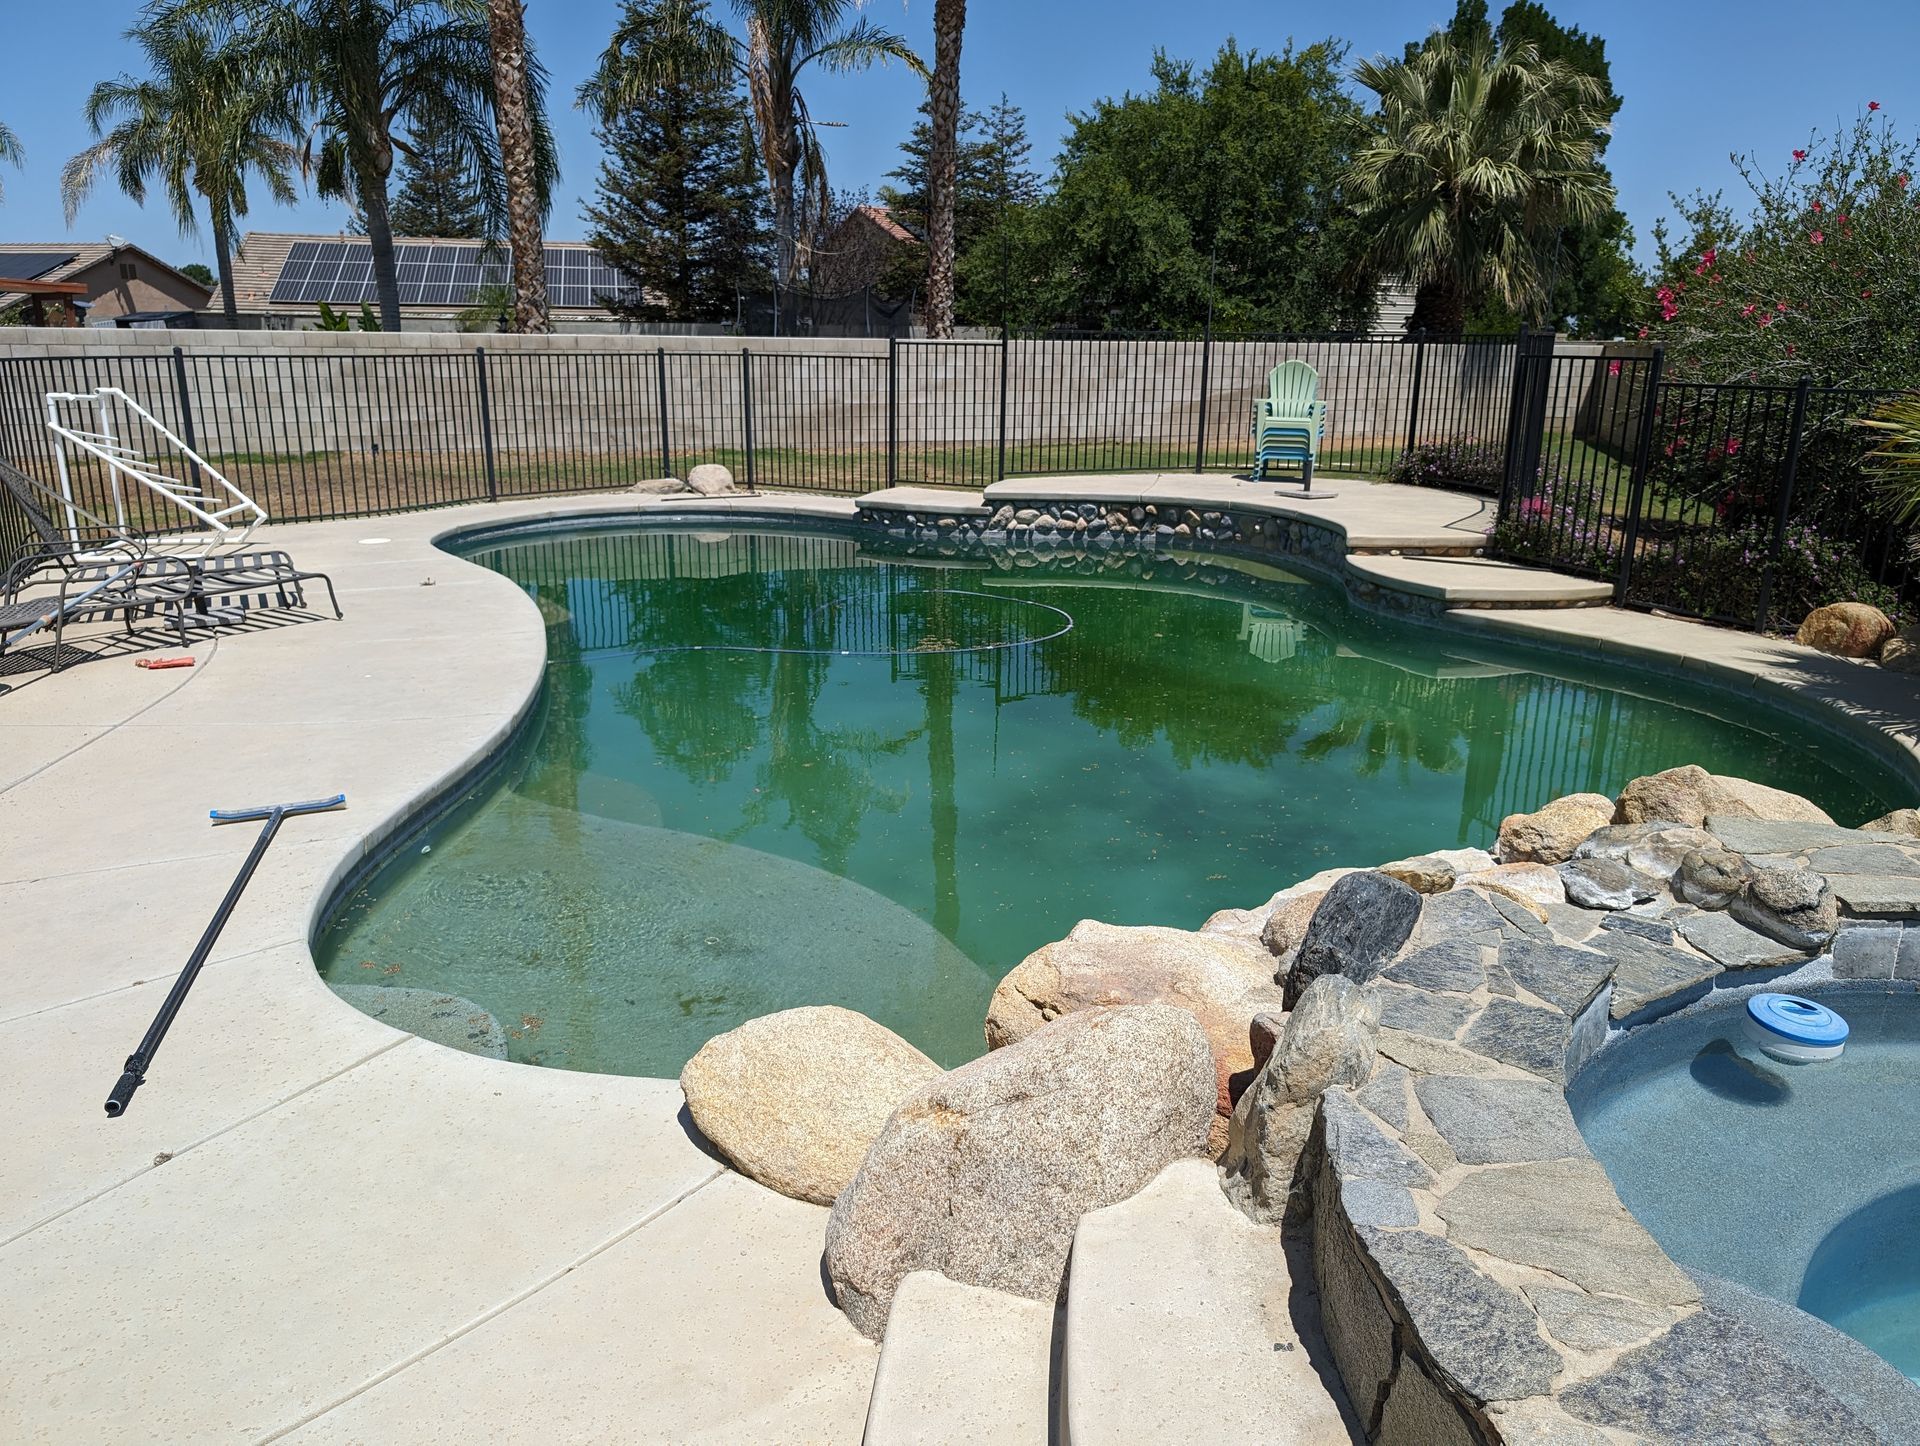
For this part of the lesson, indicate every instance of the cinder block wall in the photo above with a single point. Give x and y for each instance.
(1093, 405)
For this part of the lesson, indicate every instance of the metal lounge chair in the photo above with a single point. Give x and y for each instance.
(80, 567)
(66, 575)
(1289, 421)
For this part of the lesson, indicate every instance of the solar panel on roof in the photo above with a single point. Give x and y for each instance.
(435, 273)
(32, 265)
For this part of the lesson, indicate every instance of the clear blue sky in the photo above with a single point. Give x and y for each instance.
(1699, 80)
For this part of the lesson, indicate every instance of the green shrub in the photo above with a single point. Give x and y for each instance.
(1467, 466)
(1822, 271)
(1558, 526)
(1719, 575)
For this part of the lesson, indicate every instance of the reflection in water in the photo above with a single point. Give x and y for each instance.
(1181, 749)
(1721, 1068)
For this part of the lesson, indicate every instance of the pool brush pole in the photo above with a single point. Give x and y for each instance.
(134, 1073)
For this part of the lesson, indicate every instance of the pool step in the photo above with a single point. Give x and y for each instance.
(1174, 1288)
(1477, 582)
(961, 1364)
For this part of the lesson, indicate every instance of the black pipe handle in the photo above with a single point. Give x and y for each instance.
(123, 1091)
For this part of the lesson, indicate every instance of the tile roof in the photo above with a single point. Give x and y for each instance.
(883, 218)
(84, 254)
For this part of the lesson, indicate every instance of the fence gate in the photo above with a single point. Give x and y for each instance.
(947, 409)
(1573, 496)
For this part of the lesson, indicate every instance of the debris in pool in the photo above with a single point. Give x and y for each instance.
(1794, 1030)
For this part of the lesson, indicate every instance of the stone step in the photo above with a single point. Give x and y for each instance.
(962, 1364)
(1172, 1295)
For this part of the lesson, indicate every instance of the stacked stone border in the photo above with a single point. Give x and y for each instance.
(1111, 531)
(1481, 1280)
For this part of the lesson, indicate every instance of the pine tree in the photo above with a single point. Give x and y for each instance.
(976, 181)
(679, 206)
(1009, 154)
(438, 195)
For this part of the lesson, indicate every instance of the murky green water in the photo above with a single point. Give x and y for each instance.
(701, 830)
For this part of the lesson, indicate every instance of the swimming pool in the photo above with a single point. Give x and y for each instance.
(1801, 1182)
(774, 768)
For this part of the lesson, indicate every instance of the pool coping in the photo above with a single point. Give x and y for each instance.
(103, 721)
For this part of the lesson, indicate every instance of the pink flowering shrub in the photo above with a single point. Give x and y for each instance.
(1822, 270)
(1560, 525)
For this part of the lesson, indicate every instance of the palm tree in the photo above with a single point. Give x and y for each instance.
(200, 123)
(11, 151)
(519, 158)
(657, 47)
(949, 26)
(1476, 156)
(371, 74)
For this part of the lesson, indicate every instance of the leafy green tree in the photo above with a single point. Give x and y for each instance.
(1477, 156)
(198, 271)
(1215, 193)
(439, 195)
(371, 73)
(1593, 286)
(678, 206)
(678, 43)
(1822, 271)
(11, 151)
(198, 125)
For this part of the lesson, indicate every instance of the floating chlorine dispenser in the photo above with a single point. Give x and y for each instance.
(1794, 1030)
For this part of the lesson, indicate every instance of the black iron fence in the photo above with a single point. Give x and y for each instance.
(1730, 502)
(1739, 502)
(328, 432)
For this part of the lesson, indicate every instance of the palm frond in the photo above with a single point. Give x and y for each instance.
(649, 53)
(861, 46)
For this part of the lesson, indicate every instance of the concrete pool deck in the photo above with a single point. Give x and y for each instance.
(310, 1226)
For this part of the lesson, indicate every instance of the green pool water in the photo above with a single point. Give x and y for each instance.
(773, 769)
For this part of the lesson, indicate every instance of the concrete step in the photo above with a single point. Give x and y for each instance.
(1172, 1295)
(960, 1365)
(934, 501)
(1468, 582)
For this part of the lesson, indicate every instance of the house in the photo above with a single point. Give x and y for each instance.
(280, 279)
(119, 284)
(869, 245)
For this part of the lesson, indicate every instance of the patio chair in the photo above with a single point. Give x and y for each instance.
(1289, 421)
(86, 568)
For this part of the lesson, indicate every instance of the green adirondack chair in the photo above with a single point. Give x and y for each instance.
(1289, 421)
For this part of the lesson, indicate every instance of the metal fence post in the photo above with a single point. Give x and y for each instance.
(1413, 403)
(666, 437)
(486, 422)
(1206, 386)
(1532, 380)
(1515, 396)
(1764, 611)
(893, 410)
(1000, 465)
(746, 408)
(186, 409)
(1642, 456)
